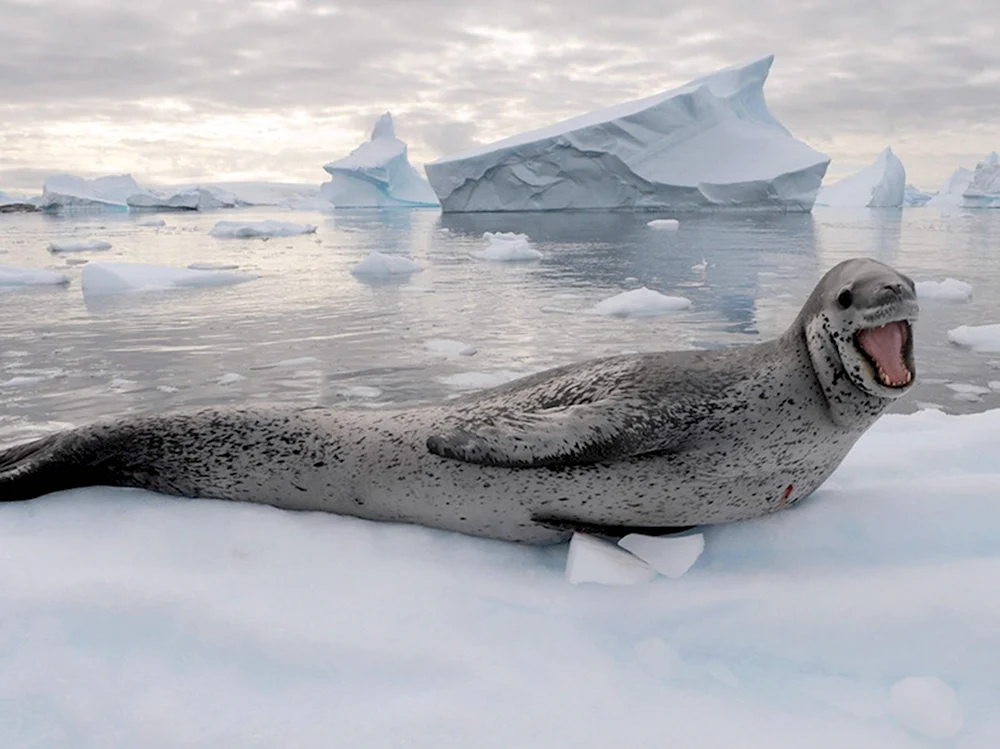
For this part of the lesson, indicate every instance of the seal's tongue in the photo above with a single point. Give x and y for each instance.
(885, 346)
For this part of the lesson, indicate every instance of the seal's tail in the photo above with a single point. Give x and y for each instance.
(42, 466)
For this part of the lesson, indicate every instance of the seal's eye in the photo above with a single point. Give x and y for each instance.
(845, 298)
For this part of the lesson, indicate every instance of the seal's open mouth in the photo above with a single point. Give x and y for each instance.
(889, 350)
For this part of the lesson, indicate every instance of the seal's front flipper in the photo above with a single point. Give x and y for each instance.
(606, 531)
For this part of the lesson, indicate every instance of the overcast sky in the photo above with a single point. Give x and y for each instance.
(241, 89)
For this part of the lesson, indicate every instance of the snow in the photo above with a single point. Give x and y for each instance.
(983, 190)
(213, 266)
(68, 191)
(197, 198)
(120, 277)
(927, 706)
(132, 619)
(977, 337)
(914, 196)
(671, 556)
(90, 245)
(882, 184)
(383, 265)
(592, 560)
(506, 247)
(449, 347)
(664, 223)
(14, 276)
(948, 290)
(377, 174)
(711, 143)
(639, 303)
(250, 229)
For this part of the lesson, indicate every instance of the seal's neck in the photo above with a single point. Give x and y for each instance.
(849, 406)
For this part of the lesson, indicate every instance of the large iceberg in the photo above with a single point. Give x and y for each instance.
(983, 190)
(711, 143)
(882, 184)
(953, 191)
(68, 191)
(198, 198)
(377, 174)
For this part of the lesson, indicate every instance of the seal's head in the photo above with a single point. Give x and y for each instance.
(858, 322)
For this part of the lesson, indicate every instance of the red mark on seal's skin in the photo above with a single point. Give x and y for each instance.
(786, 494)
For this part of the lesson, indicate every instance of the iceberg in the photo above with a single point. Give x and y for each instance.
(879, 185)
(13, 276)
(377, 174)
(107, 278)
(983, 190)
(68, 191)
(251, 229)
(199, 198)
(711, 143)
(506, 247)
(953, 191)
(87, 245)
(914, 196)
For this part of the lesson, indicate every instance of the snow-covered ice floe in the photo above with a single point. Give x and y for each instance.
(251, 229)
(882, 184)
(105, 278)
(640, 302)
(449, 347)
(89, 245)
(66, 191)
(14, 276)
(383, 265)
(668, 224)
(506, 247)
(948, 290)
(977, 337)
(377, 174)
(865, 617)
(711, 143)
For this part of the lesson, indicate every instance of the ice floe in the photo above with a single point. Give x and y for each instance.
(14, 276)
(977, 337)
(641, 302)
(506, 247)
(251, 229)
(121, 277)
(379, 264)
(89, 245)
(948, 290)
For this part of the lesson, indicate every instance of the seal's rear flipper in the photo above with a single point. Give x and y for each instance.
(606, 531)
(39, 467)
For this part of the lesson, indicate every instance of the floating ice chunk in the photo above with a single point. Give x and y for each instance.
(880, 185)
(927, 706)
(76, 261)
(640, 302)
(297, 362)
(90, 245)
(449, 347)
(23, 381)
(664, 223)
(119, 277)
(382, 265)
(213, 266)
(507, 247)
(977, 337)
(671, 556)
(477, 380)
(948, 290)
(362, 391)
(711, 143)
(153, 222)
(230, 378)
(121, 384)
(250, 229)
(592, 560)
(377, 174)
(68, 191)
(14, 276)
(701, 267)
(914, 196)
(965, 387)
(167, 388)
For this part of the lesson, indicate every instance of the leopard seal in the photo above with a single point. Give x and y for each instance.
(634, 443)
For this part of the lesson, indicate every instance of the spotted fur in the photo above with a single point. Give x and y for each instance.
(641, 442)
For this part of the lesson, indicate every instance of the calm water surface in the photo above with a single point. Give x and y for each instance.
(308, 332)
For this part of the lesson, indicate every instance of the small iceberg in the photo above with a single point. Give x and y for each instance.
(13, 276)
(449, 347)
(641, 302)
(105, 278)
(90, 245)
(948, 290)
(382, 265)
(377, 174)
(977, 337)
(879, 185)
(983, 190)
(507, 247)
(251, 229)
(669, 224)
